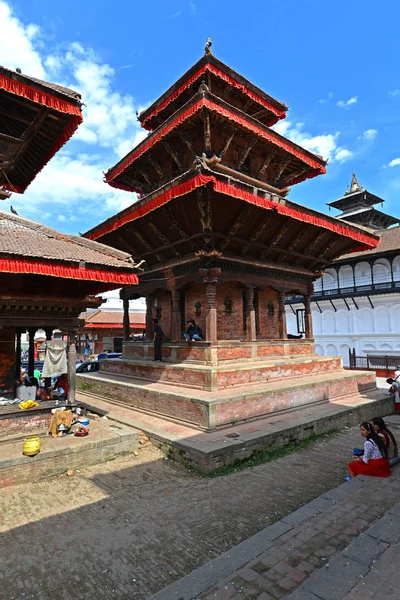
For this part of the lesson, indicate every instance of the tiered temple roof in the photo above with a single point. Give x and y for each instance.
(36, 119)
(213, 177)
(357, 206)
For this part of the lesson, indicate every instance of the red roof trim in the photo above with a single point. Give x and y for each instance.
(295, 212)
(34, 95)
(279, 114)
(39, 97)
(270, 136)
(36, 267)
(113, 325)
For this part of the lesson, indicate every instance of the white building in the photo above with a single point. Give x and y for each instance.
(356, 304)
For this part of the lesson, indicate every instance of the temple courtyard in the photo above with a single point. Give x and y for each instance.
(130, 527)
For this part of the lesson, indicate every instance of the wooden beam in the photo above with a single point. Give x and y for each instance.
(277, 238)
(281, 167)
(163, 238)
(131, 181)
(174, 224)
(204, 205)
(155, 166)
(286, 180)
(240, 219)
(313, 243)
(14, 115)
(258, 113)
(172, 153)
(128, 247)
(145, 242)
(250, 144)
(31, 131)
(267, 248)
(247, 104)
(227, 143)
(256, 233)
(150, 182)
(264, 165)
(186, 140)
(207, 131)
(226, 92)
(302, 233)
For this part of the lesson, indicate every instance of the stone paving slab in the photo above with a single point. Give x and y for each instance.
(315, 536)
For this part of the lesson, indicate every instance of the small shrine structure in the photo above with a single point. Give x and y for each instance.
(358, 206)
(222, 243)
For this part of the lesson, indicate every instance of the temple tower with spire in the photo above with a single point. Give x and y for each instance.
(357, 206)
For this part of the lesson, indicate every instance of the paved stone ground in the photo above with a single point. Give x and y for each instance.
(327, 555)
(128, 528)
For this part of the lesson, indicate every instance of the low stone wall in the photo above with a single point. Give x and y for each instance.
(212, 460)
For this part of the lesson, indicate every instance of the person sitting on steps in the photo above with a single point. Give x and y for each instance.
(193, 332)
(387, 436)
(374, 461)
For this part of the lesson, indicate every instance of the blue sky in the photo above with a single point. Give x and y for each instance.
(334, 63)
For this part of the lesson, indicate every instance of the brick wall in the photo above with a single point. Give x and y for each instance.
(269, 327)
(26, 425)
(230, 325)
(7, 361)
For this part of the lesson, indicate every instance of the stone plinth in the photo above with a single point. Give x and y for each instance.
(211, 410)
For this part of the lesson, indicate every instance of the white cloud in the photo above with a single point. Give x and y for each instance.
(370, 134)
(71, 185)
(17, 44)
(192, 8)
(175, 15)
(395, 162)
(75, 183)
(326, 145)
(326, 100)
(347, 103)
(394, 93)
(342, 154)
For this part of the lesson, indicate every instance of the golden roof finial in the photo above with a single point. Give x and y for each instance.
(207, 49)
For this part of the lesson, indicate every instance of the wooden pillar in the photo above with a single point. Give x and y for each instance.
(308, 317)
(49, 333)
(282, 316)
(18, 354)
(211, 316)
(149, 319)
(71, 368)
(31, 351)
(250, 315)
(176, 317)
(126, 321)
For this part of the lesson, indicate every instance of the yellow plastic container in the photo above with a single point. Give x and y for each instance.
(31, 445)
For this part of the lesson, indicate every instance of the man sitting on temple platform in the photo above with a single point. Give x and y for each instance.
(193, 332)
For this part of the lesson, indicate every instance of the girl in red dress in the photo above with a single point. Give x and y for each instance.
(374, 461)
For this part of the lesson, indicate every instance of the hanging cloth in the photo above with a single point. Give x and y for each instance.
(55, 361)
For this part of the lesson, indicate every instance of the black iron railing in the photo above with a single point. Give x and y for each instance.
(374, 363)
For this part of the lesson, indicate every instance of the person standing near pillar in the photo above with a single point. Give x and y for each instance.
(157, 339)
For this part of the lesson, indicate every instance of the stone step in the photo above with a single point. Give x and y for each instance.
(222, 376)
(209, 450)
(105, 442)
(211, 410)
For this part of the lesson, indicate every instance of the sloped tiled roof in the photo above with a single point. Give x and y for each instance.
(112, 317)
(21, 237)
(52, 87)
(390, 241)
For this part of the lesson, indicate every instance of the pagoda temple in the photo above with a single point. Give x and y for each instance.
(221, 243)
(357, 206)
